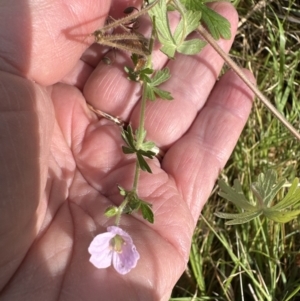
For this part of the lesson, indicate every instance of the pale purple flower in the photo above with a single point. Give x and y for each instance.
(114, 247)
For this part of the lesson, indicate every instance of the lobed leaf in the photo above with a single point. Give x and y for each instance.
(189, 21)
(162, 94)
(191, 47)
(281, 217)
(217, 25)
(147, 212)
(291, 198)
(266, 188)
(160, 76)
(235, 195)
(151, 89)
(148, 146)
(237, 215)
(238, 218)
(159, 11)
(142, 163)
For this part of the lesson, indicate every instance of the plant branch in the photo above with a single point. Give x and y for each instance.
(253, 88)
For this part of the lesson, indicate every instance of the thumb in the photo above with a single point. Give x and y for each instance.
(43, 39)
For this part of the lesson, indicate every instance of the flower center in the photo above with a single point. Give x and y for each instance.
(117, 243)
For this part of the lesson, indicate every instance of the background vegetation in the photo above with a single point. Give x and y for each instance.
(259, 260)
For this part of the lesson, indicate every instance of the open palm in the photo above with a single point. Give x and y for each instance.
(60, 164)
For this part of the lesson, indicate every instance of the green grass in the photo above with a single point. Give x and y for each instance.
(259, 260)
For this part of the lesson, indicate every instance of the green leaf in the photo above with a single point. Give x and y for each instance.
(235, 195)
(128, 137)
(133, 203)
(281, 217)
(147, 212)
(160, 77)
(126, 150)
(151, 90)
(147, 71)
(238, 218)
(148, 146)
(192, 4)
(132, 75)
(149, 149)
(149, 153)
(168, 49)
(237, 215)
(217, 25)
(265, 190)
(162, 94)
(188, 23)
(137, 74)
(191, 47)
(171, 43)
(238, 221)
(142, 163)
(291, 198)
(159, 11)
(142, 76)
(146, 149)
(141, 132)
(161, 19)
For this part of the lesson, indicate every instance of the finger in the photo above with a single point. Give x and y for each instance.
(94, 54)
(78, 75)
(95, 144)
(108, 88)
(97, 51)
(192, 78)
(26, 128)
(196, 160)
(44, 39)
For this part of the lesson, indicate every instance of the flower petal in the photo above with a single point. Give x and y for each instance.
(126, 260)
(100, 242)
(100, 250)
(104, 251)
(121, 232)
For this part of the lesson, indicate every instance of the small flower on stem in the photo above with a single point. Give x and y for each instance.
(114, 246)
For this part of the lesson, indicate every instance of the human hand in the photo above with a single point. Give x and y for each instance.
(60, 165)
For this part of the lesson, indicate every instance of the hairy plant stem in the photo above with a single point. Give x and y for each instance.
(121, 209)
(143, 110)
(136, 176)
(140, 136)
(253, 88)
